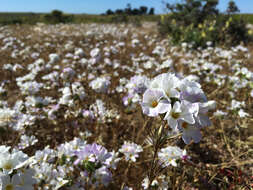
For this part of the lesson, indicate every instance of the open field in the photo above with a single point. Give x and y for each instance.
(64, 86)
(33, 18)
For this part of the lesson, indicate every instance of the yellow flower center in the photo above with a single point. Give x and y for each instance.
(9, 187)
(168, 94)
(154, 104)
(7, 166)
(184, 125)
(169, 159)
(6, 119)
(175, 115)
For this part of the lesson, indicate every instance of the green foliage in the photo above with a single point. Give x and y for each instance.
(235, 31)
(57, 16)
(199, 22)
(232, 7)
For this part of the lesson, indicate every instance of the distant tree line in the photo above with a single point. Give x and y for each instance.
(57, 16)
(142, 10)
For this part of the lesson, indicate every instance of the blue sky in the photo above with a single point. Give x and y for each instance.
(98, 6)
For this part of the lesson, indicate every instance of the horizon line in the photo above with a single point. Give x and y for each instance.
(78, 13)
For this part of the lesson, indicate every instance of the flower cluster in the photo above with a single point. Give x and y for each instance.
(135, 87)
(181, 101)
(96, 161)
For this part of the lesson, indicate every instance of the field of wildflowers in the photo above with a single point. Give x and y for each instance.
(105, 106)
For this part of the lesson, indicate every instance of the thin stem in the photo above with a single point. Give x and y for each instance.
(156, 146)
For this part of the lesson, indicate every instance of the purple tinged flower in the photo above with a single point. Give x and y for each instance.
(190, 132)
(139, 83)
(153, 104)
(131, 151)
(185, 156)
(127, 99)
(193, 95)
(100, 152)
(102, 176)
(88, 114)
(92, 153)
(202, 119)
(52, 111)
(85, 155)
(68, 73)
(191, 91)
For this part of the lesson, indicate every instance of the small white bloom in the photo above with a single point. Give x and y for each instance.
(130, 150)
(100, 84)
(169, 155)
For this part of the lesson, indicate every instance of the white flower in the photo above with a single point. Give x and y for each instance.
(219, 113)
(66, 99)
(54, 58)
(113, 160)
(8, 183)
(27, 179)
(189, 132)
(138, 84)
(242, 113)
(100, 84)
(30, 87)
(153, 104)
(6, 116)
(79, 52)
(191, 91)
(21, 181)
(157, 81)
(36, 101)
(4, 149)
(78, 90)
(145, 183)
(26, 141)
(160, 183)
(201, 118)
(95, 53)
(169, 85)
(236, 105)
(181, 111)
(12, 161)
(67, 73)
(130, 150)
(169, 155)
